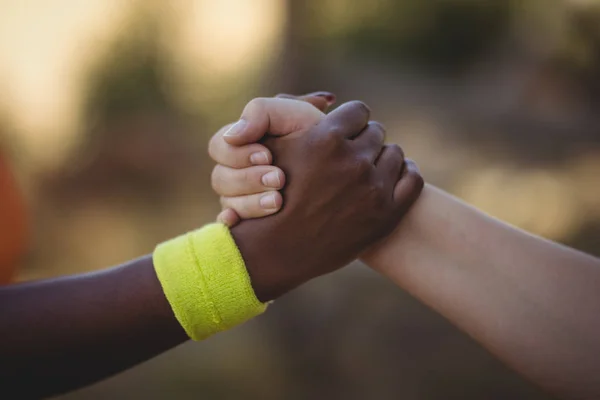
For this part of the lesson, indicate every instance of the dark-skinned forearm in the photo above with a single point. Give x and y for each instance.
(61, 334)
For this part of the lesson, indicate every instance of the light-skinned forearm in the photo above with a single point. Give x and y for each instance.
(533, 303)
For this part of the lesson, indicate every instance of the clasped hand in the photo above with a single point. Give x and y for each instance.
(336, 188)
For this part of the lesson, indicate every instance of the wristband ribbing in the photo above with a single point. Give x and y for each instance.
(205, 280)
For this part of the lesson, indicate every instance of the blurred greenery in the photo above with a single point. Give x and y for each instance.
(442, 36)
(130, 77)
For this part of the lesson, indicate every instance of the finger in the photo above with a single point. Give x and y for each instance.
(228, 217)
(410, 185)
(320, 103)
(370, 141)
(237, 156)
(320, 100)
(317, 98)
(346, 121)
(390, 164)
(274, 116)
(254, 205)
(240, 182)
(330, 97)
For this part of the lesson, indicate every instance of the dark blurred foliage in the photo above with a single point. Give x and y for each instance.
(442, 36)
(453, 80)
(130, 77)
(453, 55)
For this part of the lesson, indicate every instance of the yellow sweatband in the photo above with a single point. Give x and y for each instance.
(204, 278)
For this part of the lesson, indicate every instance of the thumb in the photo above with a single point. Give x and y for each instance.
(276, 116)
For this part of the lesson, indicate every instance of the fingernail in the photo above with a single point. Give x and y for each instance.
(236, 128)
(271, 179)
(268, 202)
(330, 97)
(259, 158)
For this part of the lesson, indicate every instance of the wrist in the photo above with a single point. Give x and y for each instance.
(204, 279)
(420, 235)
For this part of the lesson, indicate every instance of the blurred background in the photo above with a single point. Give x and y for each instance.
(105, 115)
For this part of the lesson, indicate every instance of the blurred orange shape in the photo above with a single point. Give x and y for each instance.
(13, 224)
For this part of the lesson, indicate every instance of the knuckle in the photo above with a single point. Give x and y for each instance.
(396, 153)
(257, 103)
(360, 106)
(417, 181)
(212, 146)
(379, 129)
(215, 179)
(411, 165)
(363, 168)
(376, 125)
(243, 175)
